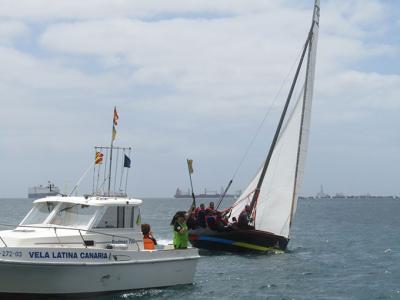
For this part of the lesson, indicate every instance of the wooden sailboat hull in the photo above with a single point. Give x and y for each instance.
(237, 240)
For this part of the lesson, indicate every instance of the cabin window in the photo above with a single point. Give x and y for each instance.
(70, 214)
(129, 222)
(39, 213)
(121, 216)
(117, 217)
(109, 219)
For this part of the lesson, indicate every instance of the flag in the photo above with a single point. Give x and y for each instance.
(99, 158)
(190, 165)
(115, 118)
(127, 161)
(114, 133)
(138, 219)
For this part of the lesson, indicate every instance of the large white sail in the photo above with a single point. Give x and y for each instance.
(277, 199)
(280, 176)
(308, 96)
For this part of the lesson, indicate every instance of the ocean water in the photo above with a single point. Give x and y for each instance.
(339, 249)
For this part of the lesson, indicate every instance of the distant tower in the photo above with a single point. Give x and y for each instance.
(321, 193)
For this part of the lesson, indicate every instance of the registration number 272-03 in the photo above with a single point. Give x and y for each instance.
(7, 253)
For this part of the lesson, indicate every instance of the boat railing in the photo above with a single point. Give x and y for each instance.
(84, 242)
(3, 242)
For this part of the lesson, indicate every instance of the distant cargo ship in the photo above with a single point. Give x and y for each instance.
(43, 191)
(205, 195)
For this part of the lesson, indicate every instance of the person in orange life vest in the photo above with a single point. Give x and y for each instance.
(149, 241)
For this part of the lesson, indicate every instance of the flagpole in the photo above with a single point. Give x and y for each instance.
(113, 133)
(191, 183)
(127, 171)
(116, 169)
(111, 151)
(94, 170)
(122, 174)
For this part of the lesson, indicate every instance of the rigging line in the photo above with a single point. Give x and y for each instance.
(278, 129)
(246, 153)
(116, 169)
(101, 186)
(266, 115)
(105, 168)
(127, 172)
(224, 193)
(82, 177)
(122, 174)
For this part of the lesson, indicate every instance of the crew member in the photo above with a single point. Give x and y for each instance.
(201, 216)
(192, 221)
(210, 209)
(149, 241)
(181, 234)
(245, 218)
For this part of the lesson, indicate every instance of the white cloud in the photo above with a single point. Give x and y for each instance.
(227, 56)
(26, 71)
(93, 9)
(11, 30)
(191, 78)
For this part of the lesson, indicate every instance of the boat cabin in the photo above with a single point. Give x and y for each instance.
(89, 221)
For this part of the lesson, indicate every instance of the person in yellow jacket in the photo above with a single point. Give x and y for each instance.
(181, 233)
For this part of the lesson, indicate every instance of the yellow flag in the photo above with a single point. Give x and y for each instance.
(190, 165)
(138, 219)
(114, 133)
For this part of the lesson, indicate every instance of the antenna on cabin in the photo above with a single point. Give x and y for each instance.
(113, 135)
(103, 182)
(102, 171)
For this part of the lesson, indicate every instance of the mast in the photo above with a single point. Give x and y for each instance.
(270, 193)
(278, 129)
(307, 99)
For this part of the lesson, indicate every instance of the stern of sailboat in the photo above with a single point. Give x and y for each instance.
(237, 240)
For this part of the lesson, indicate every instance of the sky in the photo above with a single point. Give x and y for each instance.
(194, 79)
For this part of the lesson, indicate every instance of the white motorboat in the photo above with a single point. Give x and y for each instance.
(75, 245)
(88, 245)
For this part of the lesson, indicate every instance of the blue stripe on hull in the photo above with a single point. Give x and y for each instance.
(214, 239)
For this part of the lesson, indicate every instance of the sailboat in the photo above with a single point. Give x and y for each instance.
(272, 194)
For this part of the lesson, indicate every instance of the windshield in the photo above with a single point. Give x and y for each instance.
(76, 215)
(39, 213)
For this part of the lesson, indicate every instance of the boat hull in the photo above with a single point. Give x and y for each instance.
(237, 240)
(144, 270)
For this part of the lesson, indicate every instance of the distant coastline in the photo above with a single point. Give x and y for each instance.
(322, 195)
(326, 197)
(341, 196)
